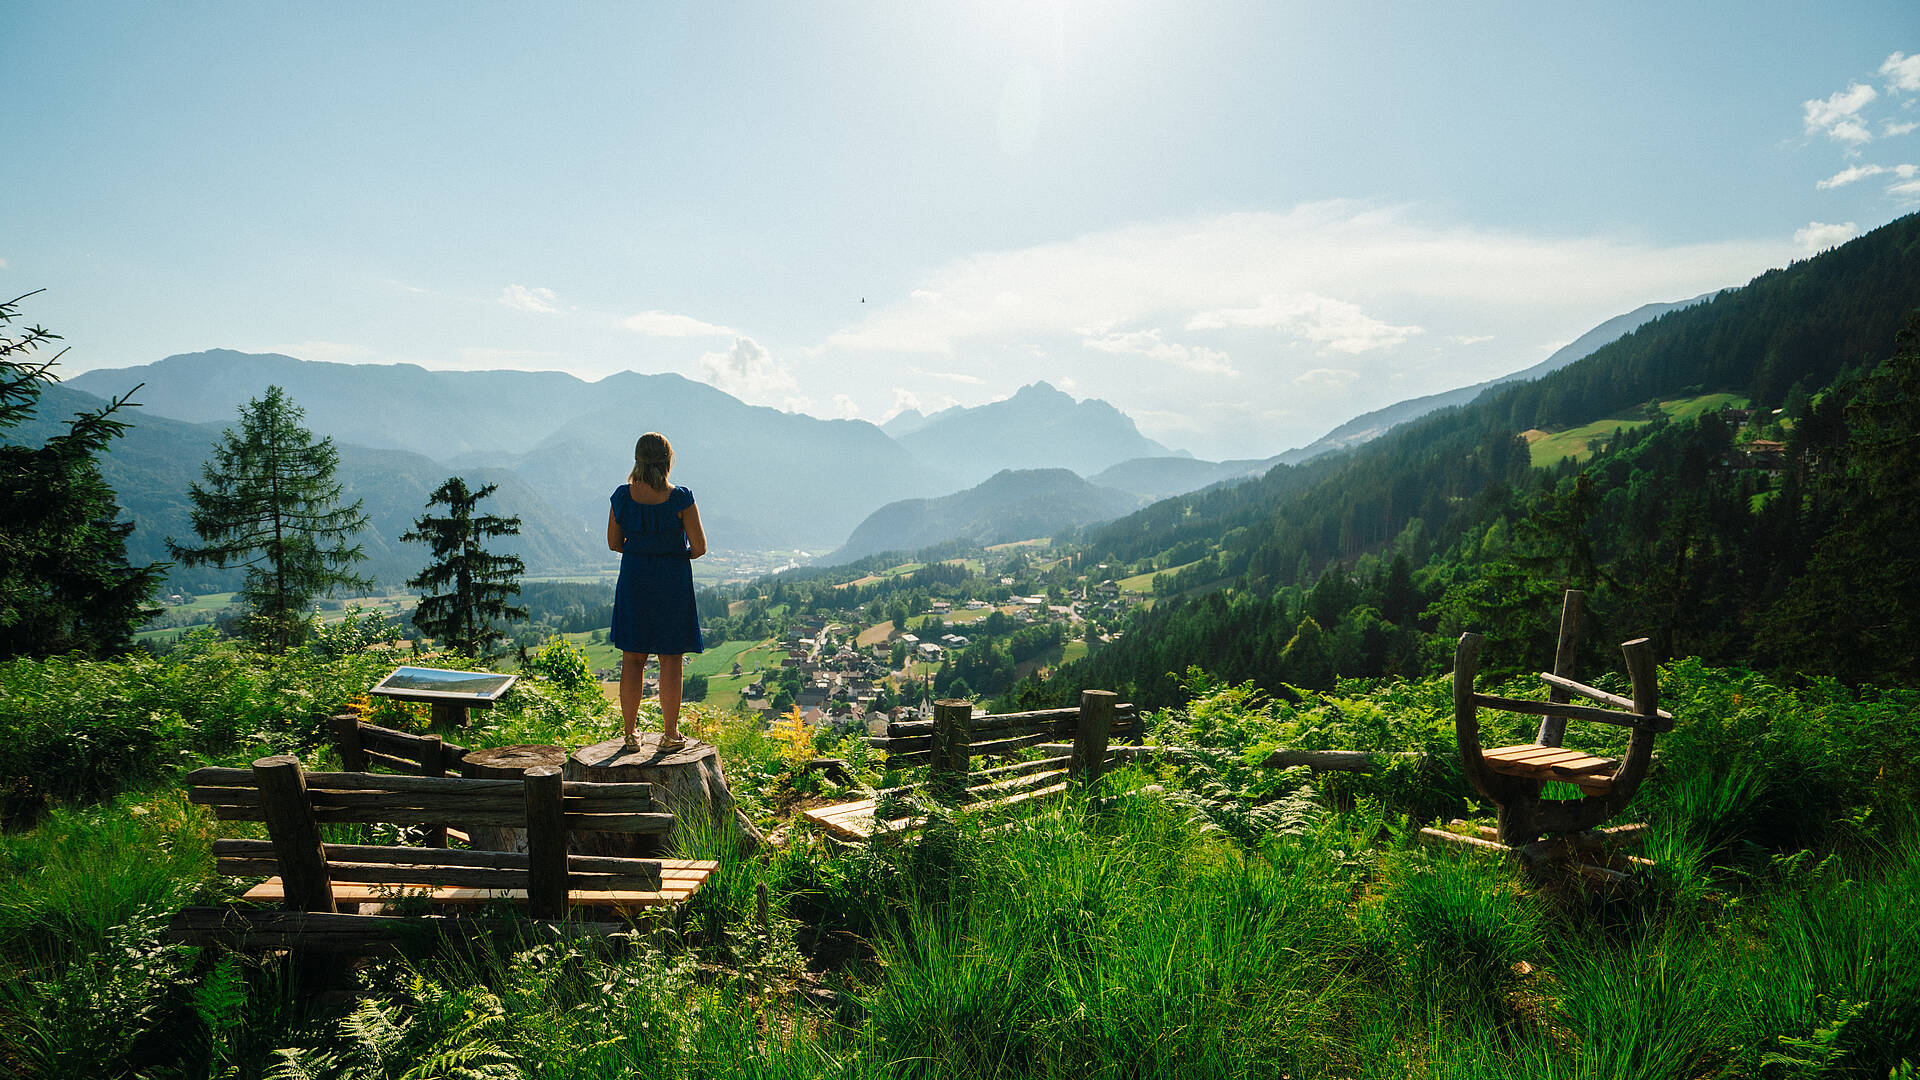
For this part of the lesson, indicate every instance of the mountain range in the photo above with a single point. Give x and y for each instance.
(557, 445)
(1013, 504)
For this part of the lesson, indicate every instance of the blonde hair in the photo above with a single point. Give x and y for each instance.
(652, 460)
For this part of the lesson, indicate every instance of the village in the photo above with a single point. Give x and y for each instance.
(868, 661)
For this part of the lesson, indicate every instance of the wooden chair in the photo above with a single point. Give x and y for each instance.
(1513, 777)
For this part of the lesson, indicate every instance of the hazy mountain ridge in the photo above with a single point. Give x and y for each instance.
(1372, 425)
(1038, 427)
(1013, 504)
(151, 466)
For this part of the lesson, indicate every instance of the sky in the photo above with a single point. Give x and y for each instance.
(1241, 224)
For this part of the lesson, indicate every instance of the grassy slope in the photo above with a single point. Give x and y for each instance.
(1547, 448)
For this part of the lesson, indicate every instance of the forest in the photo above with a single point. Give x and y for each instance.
(1369, 562)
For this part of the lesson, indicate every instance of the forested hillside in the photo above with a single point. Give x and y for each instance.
(1701, 534)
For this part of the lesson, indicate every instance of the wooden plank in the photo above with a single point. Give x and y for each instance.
(1554, 759)
(270, 891)
(215, 777)
(1009, 745)
(239, 849)
(1595, 694)
(477, 802)
(985, 794)
(902, 746)
(621, 823)
(1021, 768)
(390, 761)
(1572, 712)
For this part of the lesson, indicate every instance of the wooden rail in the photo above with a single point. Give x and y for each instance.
(947, 746)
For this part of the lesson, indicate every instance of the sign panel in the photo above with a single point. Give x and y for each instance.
(438, 684)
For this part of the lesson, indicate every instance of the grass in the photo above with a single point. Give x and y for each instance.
(1240, 923)
(1143, 583)
(1545, 449)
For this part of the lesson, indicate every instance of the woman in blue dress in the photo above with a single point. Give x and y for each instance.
(656, 530)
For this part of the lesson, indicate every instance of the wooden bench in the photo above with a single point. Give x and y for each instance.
(947, 744)
(1513, 776)
(310, 877)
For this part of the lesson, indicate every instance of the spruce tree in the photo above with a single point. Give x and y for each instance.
(65, 583)
(472, 585)
(268, 501)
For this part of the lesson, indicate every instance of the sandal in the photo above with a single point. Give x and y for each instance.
(666, 745)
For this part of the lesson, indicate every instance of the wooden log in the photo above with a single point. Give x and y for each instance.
(546, 844)
(347, 781)
(1058, 720)
(1554, 728)
(346, 739)
(952, 747)
(1594, 693)
(688, 782)
(1432, 835)
(508, 763)
(1094, 724)
(1359, 761)
(1650, 721)
(295, 834)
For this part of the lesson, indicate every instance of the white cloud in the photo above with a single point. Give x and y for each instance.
(521, 298)
(845, 408)
(1147, 343)
(951, 376)
(326, 352)
(1907, 189)
(1469, 339)
(903, 399)
(1327, 377)
(749, 372)
(1838, 115)
(1065, 383)
(1889, 129)
(1371, 257)
(667, 324)
(1334, 324)
(1860, 172)
(1902, 71)
(1819, 236)
(3, 264)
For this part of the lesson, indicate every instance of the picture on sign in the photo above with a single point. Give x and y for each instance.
(417, 682)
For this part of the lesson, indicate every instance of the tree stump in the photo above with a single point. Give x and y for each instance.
(687, 782)
(506, 763)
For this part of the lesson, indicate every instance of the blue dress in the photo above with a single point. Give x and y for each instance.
(653, 610)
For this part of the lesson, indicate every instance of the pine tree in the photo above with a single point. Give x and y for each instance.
(269, 502)
(65, 583)
(473, 585)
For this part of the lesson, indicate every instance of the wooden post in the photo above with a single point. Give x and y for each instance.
(346, 736)
(1090, 736)
(760, 900)
(546, 844)
(434, 763)
(449, 714)
(952, 749)
(1554, 728)
(295, 834)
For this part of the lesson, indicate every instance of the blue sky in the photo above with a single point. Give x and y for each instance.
(1240, 223)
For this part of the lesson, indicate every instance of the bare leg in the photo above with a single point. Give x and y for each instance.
(670, 672)
(633, 681)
